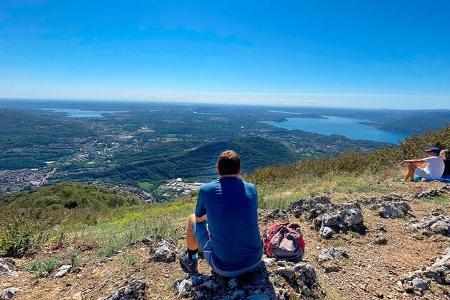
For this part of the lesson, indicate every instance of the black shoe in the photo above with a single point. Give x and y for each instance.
(188, 265)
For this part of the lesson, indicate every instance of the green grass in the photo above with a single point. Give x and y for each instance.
(113, 232)
(442, 200)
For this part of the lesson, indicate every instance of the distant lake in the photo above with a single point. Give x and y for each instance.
(78, 113)
(350, 128)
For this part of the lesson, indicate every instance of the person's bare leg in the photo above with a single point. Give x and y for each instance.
(190, 238)
(409, 176)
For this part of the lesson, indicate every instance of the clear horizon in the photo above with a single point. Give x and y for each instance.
(360, 54)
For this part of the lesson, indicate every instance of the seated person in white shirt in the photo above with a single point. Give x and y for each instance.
(429, 168)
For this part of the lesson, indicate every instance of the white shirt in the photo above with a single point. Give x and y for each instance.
(435, 166)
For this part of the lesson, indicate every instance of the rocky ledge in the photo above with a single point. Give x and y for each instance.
(270, 280)
(329, 218)
(434, 224)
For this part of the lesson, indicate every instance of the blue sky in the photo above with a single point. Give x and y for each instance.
(375, 54)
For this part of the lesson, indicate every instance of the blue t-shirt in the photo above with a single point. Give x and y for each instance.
(231, 206)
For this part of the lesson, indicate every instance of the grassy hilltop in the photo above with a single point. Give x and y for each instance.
(85, 224)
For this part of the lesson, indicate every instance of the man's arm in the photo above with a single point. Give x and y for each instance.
(200, 208)
(414, 161)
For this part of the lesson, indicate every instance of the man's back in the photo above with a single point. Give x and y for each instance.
(231, 208)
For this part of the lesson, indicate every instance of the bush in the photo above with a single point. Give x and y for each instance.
(16, 240)
(42, 266)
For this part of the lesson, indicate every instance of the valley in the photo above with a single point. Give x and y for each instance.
(139, 147)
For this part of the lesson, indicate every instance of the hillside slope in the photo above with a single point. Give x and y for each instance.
(198, 163)
(116, 245)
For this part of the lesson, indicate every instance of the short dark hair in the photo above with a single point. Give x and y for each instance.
(229, 163)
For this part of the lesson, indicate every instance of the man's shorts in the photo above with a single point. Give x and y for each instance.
(202, 237)
(423, 174)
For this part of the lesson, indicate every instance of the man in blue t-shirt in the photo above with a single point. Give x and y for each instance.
(229, 239)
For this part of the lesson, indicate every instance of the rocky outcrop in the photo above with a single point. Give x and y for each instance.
(329, 218)
(433, 192)
(310, 207)
(135, 290)
(282, 280)
(434, 224)
(7, 267)
(392, 210)
(347, 217)
(419, 281)
(389, 207)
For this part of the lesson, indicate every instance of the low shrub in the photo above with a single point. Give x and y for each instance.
(42, 266)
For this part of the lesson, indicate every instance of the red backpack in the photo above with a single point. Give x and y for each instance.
(284, 241)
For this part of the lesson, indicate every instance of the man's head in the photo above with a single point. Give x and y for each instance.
(228, 163)
(433, 151)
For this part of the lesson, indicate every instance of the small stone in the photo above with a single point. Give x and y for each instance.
(184, 287)
(332, 268)
(7, 267)
(232, 284)
(78, 296)
(380, 241)
(164, 252)
(8, 293)
(331, 254)
(63, 270)
(268, 261)
(326, 232)
(419, 284)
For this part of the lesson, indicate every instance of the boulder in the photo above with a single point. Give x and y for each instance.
(329, 218)
(352, 218)
(135, 290)
(392, 210)
(347, 218)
